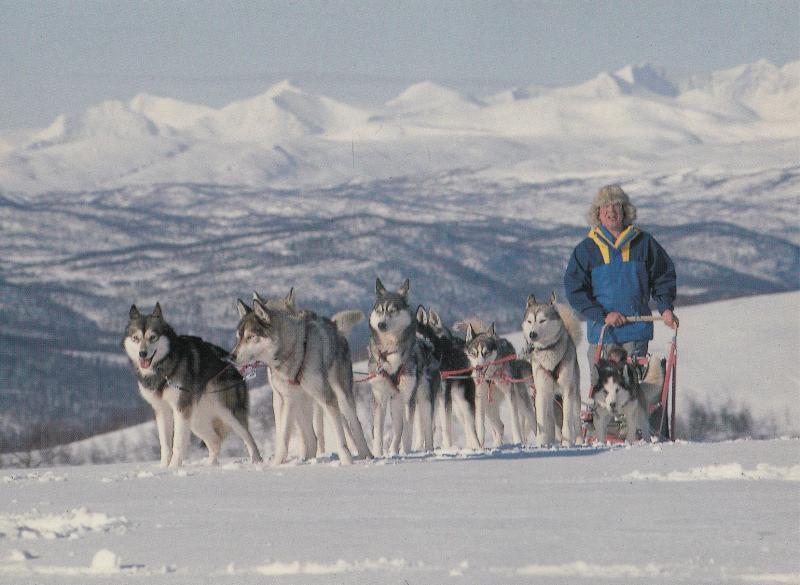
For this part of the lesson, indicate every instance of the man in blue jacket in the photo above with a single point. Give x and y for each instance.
(615, 271)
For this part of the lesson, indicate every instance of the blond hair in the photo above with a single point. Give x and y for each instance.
(608, 195)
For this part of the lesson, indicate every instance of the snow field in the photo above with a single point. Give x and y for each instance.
(664, 513)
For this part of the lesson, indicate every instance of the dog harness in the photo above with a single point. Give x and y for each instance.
(393, 378)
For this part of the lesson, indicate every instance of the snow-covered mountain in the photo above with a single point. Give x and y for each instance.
(290, 137)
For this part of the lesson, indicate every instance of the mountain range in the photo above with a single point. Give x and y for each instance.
(287, 137)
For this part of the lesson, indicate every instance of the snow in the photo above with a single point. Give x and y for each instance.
(664, 513)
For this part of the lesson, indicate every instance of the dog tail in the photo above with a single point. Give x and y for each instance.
(571, 322)
(346, 320)
(653, 379)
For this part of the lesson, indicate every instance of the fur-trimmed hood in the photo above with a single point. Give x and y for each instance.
(611, 194)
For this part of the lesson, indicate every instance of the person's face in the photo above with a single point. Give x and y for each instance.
(611, 217)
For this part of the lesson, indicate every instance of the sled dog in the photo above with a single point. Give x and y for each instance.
(188, 385)
(304, 353)
(458, 391)
(498, 375)
(307, 417)
(306, 424)
(552, 333)
(401, 371)
(616, 391)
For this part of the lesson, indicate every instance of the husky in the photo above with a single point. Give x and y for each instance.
(307, 416)
(189, 386)
(305, 353)
(495, 367)
(400, 371)
(448, 349)
(617, 392)
(552, 333)
(306, 423)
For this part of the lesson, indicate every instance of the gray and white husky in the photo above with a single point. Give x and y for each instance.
(189, 386)
(402, 372)
(306, 422)
(305, 353)
(499, 375)
(552, 333)
(617, 392)
(458, 390)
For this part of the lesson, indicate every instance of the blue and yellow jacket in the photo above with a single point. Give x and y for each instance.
(606, 274)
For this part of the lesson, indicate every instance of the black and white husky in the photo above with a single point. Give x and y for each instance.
(617, 392)
(305, 354)
(401, 373)
(552, 333)
(189, 386)
(499, 375)
(458, 390)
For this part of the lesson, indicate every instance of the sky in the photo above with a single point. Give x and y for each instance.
(60, 57)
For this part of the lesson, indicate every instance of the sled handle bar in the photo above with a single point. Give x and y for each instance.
(629, 319)
(639, 318)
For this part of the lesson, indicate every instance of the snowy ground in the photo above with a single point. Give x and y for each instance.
(668, 513)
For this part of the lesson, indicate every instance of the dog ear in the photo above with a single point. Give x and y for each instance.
(433, 318)
(157, 312)
(380, 290)
(258, 297)
(289, 299)
(405, 288)
(553, 298)
(470, 333)
(492, 330)
(134, 313)
(422, 318)
(531, 301)
(242, 308)
(262, 312)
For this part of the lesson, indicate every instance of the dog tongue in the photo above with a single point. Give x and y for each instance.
(145, 363)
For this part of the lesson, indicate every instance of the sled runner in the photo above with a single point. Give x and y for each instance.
(660, 399)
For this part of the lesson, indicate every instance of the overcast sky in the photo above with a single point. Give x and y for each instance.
(63, 56)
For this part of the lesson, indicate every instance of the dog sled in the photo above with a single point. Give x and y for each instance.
(661, 401)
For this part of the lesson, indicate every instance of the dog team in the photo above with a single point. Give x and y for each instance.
(417, 367)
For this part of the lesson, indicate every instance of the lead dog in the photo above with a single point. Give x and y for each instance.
(305, 353)
(552, 333)
(188, 385)
(400, 371)
(498, 375)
